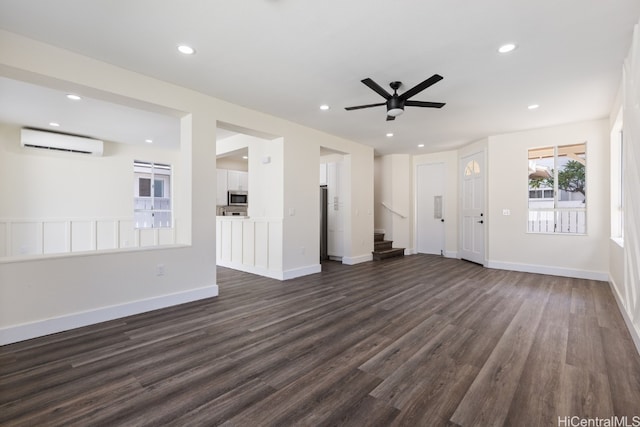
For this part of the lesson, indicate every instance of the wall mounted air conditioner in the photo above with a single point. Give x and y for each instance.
(61, 142)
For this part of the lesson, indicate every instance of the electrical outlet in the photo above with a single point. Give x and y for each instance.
(160, 270)
(506, 212)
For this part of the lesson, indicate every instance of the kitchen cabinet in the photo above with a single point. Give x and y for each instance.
(335, 210)
(230, 180)
(237, 180)
(323, 174)
(221, 187)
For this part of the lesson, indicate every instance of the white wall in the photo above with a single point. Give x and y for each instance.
(44, 183)
(48, 295)
(394, 200)
(56, 202)
(232, 164)
(625, 261)
(509, 245)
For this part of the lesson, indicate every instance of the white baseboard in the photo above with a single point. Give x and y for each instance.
(301, 271)
(635, 334)
(260, 271)
(357, 259)
(379, 230)
(53, 325)
(553, 271)
(410, 251)
(451, 254)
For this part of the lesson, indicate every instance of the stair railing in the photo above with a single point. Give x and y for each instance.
(393, 210)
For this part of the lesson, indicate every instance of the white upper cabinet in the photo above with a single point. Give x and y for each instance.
(221, 186)
(237, 180)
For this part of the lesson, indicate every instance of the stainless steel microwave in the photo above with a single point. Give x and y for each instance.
(237, 198)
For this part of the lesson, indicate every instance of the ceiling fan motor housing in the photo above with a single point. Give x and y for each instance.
(395, 103)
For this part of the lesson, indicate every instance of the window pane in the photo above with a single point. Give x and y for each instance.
(571, 176)
(144, 187)
(557, 189)
(158, 188)
(540, 177)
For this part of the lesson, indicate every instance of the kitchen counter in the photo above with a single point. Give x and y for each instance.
(232, 216)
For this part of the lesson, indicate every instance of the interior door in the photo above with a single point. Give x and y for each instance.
(473, 217)
(430, 180)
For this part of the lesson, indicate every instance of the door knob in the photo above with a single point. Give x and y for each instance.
(442, 220)
(481, 222)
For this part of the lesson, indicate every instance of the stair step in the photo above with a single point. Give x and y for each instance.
(378, 237)
(388, 253)
(381, 245)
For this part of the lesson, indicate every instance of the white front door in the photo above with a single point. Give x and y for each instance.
(430, 208)
(473, 217)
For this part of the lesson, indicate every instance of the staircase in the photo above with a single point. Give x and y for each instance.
(382, 248)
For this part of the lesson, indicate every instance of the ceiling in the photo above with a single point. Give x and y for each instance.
(286, 58)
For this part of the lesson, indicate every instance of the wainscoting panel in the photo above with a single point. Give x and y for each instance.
(106, 235)
(21, 238)
(251, 245)
(82, 236)
(55, 238)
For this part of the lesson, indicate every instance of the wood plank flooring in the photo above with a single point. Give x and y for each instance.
(414, 341)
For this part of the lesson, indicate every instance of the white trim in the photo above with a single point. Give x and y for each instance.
(451, 254)
(553, 271)
(379, 231)
(357, 259)
(272, 274)
(53, 325)
(260, 271)
(302, 271)
(635, 334)
(410, 251)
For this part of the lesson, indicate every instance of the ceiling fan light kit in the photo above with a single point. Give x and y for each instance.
(396, 103)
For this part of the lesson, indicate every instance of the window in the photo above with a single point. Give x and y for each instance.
(557, 189)
(152, 195)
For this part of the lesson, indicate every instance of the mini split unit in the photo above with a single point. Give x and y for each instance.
(60, 142)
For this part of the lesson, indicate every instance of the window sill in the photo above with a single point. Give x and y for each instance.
(40, 257)
(618, 241)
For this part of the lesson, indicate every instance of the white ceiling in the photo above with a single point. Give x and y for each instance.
(287, 57)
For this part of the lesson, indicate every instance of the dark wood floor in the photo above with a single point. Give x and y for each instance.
(415, 341)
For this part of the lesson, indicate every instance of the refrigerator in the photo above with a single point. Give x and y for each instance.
(323, 223)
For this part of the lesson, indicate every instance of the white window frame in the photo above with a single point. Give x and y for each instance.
(555, 219)
(152, 211)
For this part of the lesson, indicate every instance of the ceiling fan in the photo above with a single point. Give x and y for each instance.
(395, 103)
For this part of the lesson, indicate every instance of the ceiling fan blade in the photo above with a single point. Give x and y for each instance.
(357, 107)
(421, 86)
(376, 88)
(424, 104)
(390, 118)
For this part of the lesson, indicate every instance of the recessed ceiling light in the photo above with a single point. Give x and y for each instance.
(187, 50)
(149, 141)
(533, 106)
(73, 97)
(54, 124)
(389, 135)
(420, 145)
(245, 157)
(506, 48)
(324, 107)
